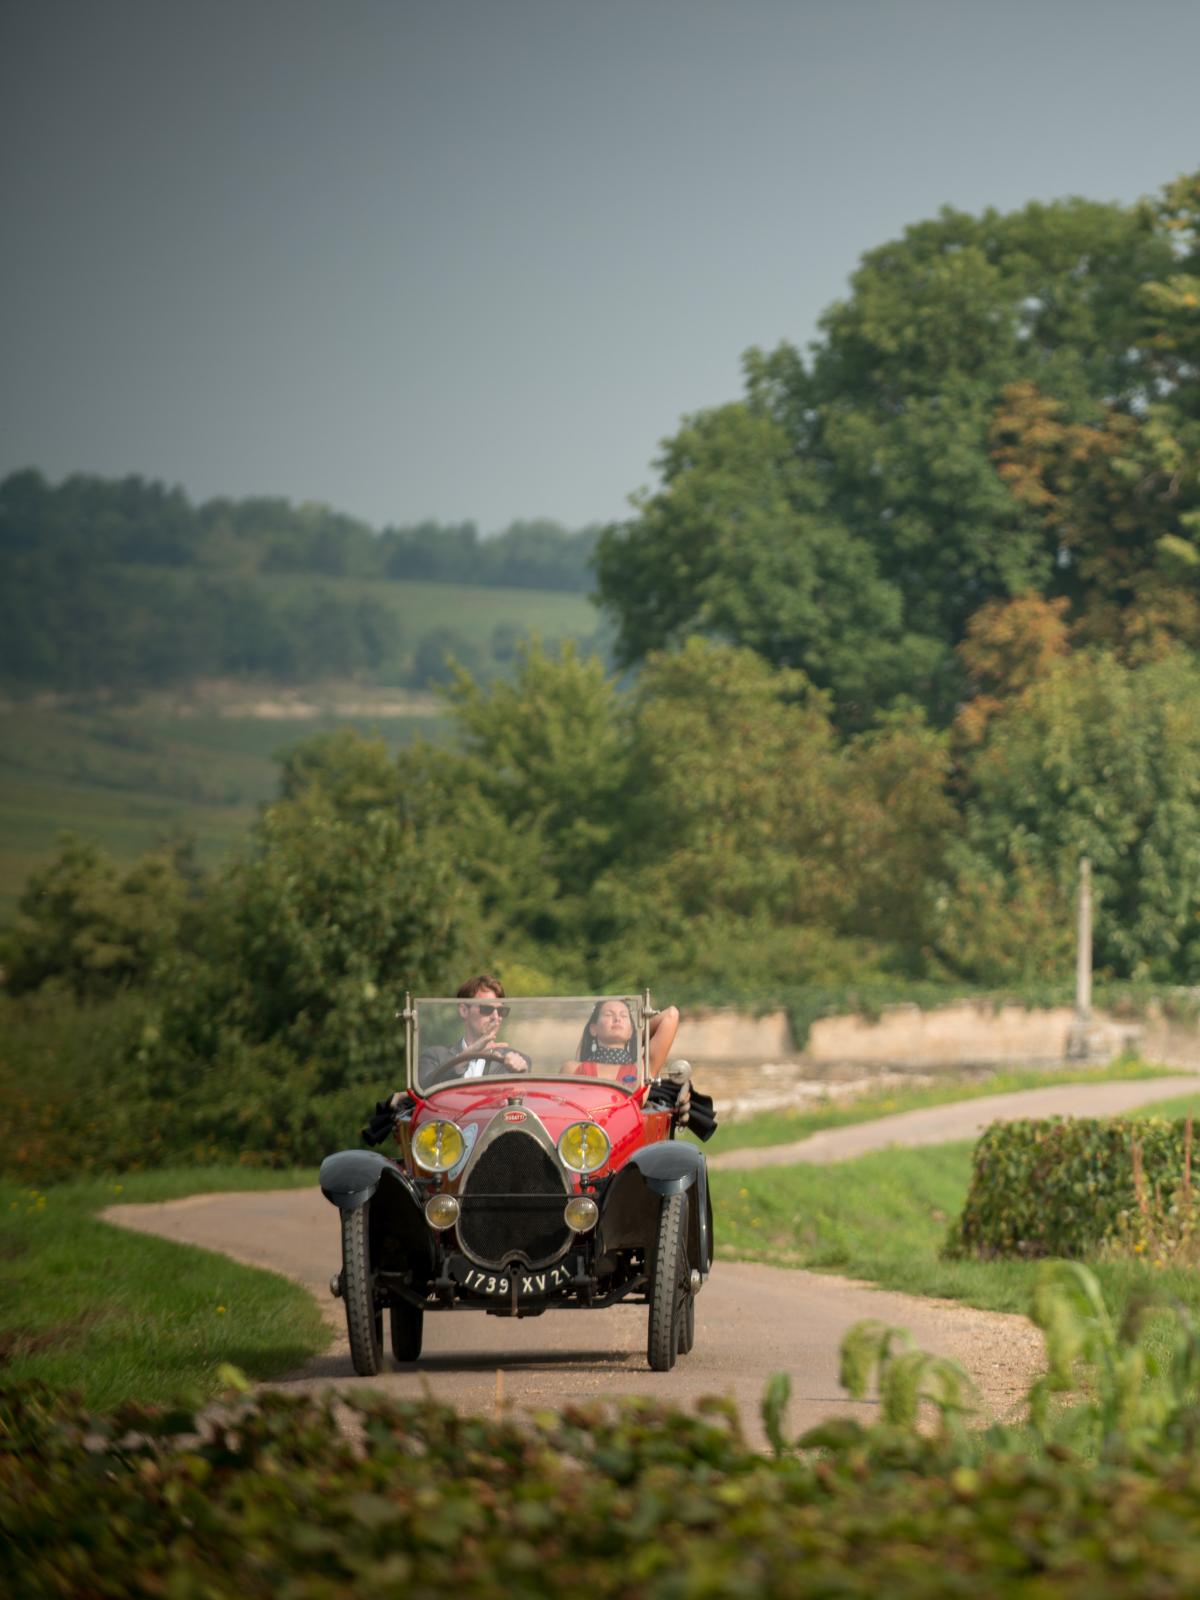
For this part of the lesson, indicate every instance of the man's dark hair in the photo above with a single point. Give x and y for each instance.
(474, 986)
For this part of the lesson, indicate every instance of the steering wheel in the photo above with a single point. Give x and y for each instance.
(488, 1053)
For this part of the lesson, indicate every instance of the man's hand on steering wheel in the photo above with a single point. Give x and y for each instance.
(512, 1060)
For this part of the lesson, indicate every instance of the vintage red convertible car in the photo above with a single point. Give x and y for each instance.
(532, 1171)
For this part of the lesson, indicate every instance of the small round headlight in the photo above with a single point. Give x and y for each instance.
(580, 1213)
(437, 1146)
(583, 1147)
(441, 1211)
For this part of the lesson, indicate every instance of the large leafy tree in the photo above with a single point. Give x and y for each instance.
(735, 760)
(306, 946)
(757, 846)
(1117, 489)
(882, 453)
(533, 793)
(739, 545)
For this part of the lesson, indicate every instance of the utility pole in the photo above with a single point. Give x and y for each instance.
(1083, 957)
(1085, 1042)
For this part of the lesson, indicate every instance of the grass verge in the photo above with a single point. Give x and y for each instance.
(788, 1127)
(883, 1218)
(122, 1316)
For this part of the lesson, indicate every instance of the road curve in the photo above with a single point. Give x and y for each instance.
(963, 1119)
(751, 1320)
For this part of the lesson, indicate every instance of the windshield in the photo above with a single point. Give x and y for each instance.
(601, 1037)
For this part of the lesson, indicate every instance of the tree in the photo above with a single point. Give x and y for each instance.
(862, 482)
(1097, 758)
(440, 655)
(1113, 498)
(732, 806)
(354, 773)
(537, 790)
(737, 546)
(894, 823)
(306, 947)
(95, 928)
(1009, 646)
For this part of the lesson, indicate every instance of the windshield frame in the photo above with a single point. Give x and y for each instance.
(643, 1013)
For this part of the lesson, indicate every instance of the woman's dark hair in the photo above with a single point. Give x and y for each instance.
(587, 1041)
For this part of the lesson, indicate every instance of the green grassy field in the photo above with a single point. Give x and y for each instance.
(470, 609)
(120, 1316)
(129, 777)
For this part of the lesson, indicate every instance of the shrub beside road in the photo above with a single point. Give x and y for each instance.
(281, 1497)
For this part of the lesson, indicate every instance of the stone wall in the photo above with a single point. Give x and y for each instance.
(750, 1063)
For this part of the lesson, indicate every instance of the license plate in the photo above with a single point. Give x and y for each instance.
(499, 1285)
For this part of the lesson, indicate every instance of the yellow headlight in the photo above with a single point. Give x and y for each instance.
(583, 1147)
(437, 1146)
(580, 1213)
(441, 1210)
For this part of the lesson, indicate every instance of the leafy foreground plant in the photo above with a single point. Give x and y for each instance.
(276, 1499)
(1131, 1401)
(1136, 1402)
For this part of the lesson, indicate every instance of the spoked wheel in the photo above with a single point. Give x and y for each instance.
(408, 1325)
(670, 1285)
(364, 1319)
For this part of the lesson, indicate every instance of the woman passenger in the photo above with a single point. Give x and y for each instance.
(609, 1039)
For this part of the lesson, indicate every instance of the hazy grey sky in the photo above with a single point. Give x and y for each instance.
(475, 258)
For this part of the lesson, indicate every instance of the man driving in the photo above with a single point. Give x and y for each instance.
(482, 1011)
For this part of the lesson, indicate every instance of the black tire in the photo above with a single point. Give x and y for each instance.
(408, 1327)
(687, 1325)
(364, 1319)
(670, 1284)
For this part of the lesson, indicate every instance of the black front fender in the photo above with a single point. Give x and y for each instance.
(349, 1178)
(400, 1236)
(630, 1209)
(669, 1167)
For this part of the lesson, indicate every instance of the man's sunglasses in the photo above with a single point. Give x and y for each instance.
(492, 1011)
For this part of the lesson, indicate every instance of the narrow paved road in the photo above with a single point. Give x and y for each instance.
(751, 1320)
(963, 1119)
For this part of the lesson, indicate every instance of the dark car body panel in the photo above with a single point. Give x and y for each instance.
(629, 1212)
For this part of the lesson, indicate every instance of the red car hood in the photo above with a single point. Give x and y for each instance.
(555, 1101)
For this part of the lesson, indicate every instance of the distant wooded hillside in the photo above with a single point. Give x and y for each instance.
(124, 584)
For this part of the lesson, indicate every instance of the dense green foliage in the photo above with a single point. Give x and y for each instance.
(1104, 760)
(705, 833)
(96, 929)
(1071, 1188)
(1004, 405)
(124, 584)
(638, 1499)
